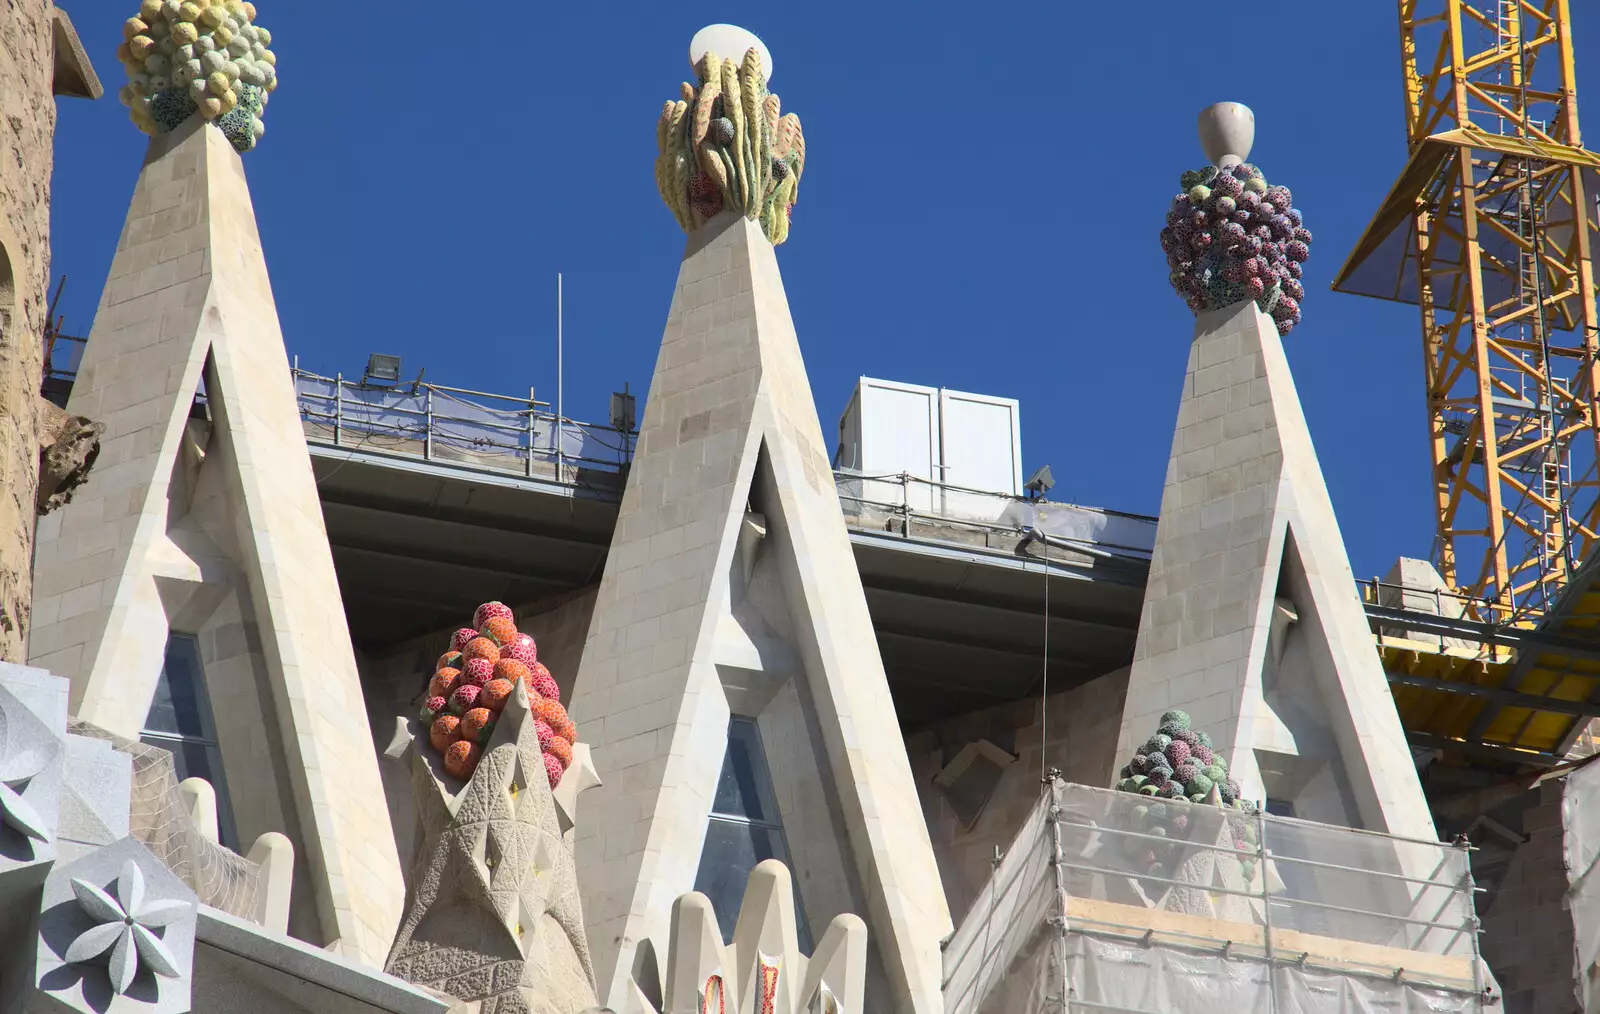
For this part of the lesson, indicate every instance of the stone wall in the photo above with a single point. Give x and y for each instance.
(1527, 932)
(1080, 739)
(27, 136)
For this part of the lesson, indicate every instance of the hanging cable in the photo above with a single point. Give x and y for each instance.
(1044, 680)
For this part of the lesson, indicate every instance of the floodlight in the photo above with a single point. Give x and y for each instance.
(383, 368)
(1040, 482)
(622, 410)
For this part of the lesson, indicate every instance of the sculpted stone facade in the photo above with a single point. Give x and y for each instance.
(40, 58)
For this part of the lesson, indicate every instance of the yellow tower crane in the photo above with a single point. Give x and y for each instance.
(1489, 231)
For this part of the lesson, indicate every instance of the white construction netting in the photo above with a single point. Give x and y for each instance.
(158, 818)
(1290, 918)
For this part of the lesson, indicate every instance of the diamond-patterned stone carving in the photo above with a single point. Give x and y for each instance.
(492, 914)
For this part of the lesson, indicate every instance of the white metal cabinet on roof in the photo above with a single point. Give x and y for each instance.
(952, 441)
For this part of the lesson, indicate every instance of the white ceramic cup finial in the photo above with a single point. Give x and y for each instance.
(729, 42)
(1227, 133)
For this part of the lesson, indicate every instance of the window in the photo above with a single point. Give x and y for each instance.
(180, 721)
(745, 829)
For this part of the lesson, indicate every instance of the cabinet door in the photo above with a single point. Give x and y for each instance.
(899, 434)
(981, 447)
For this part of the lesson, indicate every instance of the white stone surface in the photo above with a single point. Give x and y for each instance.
(215, 529)
(1301, 710)
(682, 625)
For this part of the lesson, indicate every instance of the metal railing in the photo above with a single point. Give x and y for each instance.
(475, 429)
(911, 507)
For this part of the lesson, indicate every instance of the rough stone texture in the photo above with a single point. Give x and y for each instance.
(1251, 621)
(1081, 729)
(689, 628)
(1527, 931)
(85, 987)
(29, 426)
(763, 969)
(210, 525)
(492, 914)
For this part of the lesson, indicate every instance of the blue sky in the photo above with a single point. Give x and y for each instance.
(980, 207)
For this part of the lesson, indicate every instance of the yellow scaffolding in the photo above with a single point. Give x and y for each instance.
(1489, 232)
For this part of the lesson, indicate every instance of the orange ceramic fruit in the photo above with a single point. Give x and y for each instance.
(462, 758)
(510, 669)
(562, 748)
(449, 660)
(552, 712)
(481, 647)
(501, 629)
(495, 694)
(443, 732)
(443, 683)
(476, 724)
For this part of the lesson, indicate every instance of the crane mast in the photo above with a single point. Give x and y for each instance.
(1489, 231)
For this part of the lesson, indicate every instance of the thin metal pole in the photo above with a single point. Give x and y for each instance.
(427, 425)
(533, 411)
(338, 407)
(1266, 908)
(561, 415)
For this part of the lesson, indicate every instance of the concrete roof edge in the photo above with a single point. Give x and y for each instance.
(74, 74)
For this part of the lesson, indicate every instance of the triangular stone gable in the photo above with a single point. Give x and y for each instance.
(731, 589)
(1251, 618)
(208, 523)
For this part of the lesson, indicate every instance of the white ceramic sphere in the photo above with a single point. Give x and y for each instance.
(729, 41)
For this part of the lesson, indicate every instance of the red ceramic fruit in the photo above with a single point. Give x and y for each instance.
(464, 699)
(553, 769)
(490, 610)
(477, 671)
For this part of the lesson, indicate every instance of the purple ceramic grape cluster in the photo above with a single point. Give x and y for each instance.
(1231, 237)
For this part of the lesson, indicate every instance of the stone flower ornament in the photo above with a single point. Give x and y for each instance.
(123, 933)
(25, 749)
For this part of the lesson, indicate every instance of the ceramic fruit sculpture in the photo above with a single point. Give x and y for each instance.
(1175, 770)
(198, 56)
(473, 680)
(723, 145)
(1230, 237)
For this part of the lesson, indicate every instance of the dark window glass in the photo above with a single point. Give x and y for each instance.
(744, 829)
(743, 789)
(180, 722)
(177, 709)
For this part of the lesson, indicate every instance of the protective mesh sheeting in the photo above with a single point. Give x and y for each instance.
(158, 818)
(387, 418)
(1580, 824)
(1116, 908)
(1365, 887)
